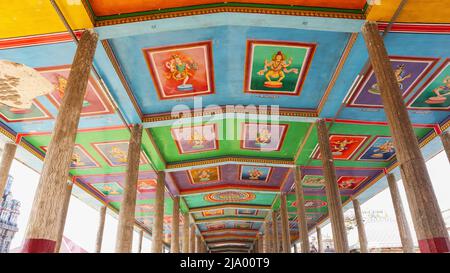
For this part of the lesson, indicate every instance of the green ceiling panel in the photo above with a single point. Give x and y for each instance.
(230, 143)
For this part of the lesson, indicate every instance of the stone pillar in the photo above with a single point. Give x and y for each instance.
(125, 226)
(266, 237)
(427, 218)
(286, 241)
(301, 211)
(192, 239)
(141, 238)
(445, 138)
(332, 190)
(198, 244)
(42, 229)
(63, 216)
(174, 245)
(360, 225)
(319, 239)
(101, 227)
(276, 245)
(9, 151)
(158, 223)
(402, 223)
(260, 243)
(186, 221)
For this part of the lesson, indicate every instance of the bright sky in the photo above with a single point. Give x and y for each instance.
(439, 170)
(82, 220)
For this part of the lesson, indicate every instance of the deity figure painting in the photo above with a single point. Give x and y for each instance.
(115, 153)
(381, 149)
(409, 71)
(277, 67)
(247, 212)
(215, 226)
(435, 94)
(314, 181)
(204, 175)
(244, 225)
(350, 182)
(209, 213)
(342, 146)
(108, 189)
(195, 139)
(263, 137)
(255, 173)
(81, 159)
(95, 101)
(181, 70)
(147, 185)
(400, 75)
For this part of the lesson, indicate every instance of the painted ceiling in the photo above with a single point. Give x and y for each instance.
(228, 177)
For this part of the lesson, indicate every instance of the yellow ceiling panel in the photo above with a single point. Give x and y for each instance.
(415, 11)
(32, 17)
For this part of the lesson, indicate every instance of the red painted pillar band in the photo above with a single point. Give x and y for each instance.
(38, 246)
(434, 245)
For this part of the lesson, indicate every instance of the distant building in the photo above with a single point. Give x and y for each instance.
(9, 211)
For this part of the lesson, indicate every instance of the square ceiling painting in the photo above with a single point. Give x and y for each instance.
(342, 146)
(263, 137)
(195, 139)
(181, 70)
(204, 175)
(435, 94)
(275, 67)
(254, 173)
(408, 71)
(380, 149)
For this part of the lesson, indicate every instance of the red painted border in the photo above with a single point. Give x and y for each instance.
(384, 123)
(417, 28)
(35, 40)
